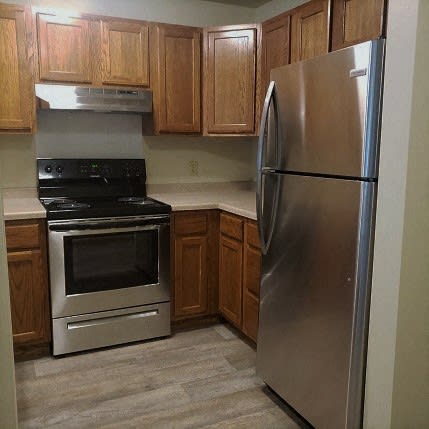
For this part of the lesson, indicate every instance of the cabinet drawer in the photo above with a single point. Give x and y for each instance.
(190, 223)
(232, 226)
(253, 234)
(22, 235)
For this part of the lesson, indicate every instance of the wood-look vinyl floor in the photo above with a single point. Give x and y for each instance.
(203, 378)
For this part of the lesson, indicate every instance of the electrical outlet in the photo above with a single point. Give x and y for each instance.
(193, 166)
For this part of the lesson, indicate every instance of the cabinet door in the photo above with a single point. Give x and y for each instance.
(64, 49)
(275, 46)
(190, 275)
(310, 30)
(28, 296)
(230, 72)
(251, 281)
(230, 279)
(16, 87)
(178, 73)
(125, 53)
(356, 21)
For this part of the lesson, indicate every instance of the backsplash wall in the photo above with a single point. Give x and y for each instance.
(88, 134)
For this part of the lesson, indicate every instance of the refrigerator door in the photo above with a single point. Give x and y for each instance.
(314, 298)
(329, 111)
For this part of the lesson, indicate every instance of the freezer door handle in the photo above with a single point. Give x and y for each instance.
(265, 237)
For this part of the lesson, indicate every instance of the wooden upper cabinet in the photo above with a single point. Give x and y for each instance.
(275, 46)
(310, 30)
(176, 78)
(356, 21)
(64, 49)
(230, 80)
(125, 52)
(16, 83)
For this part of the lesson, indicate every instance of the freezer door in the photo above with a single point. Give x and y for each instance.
(329, 112)
(314, 298)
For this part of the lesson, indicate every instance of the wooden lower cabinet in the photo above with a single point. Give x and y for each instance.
(194, 247)
(239, 273)
(216, 268)
(230, 279)
(28, 282)
(251, 280)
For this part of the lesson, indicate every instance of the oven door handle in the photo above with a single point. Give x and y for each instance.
(98, 227)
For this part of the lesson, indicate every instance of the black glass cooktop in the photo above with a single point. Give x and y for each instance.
(82, 208)
(94, 188)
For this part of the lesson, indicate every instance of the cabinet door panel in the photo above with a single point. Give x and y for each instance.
(230, 279)
(190, 275)
(125, 53)
(179, 74)
(252, 270)
(356, 21)
(64, 49)
(275, 46)
(16, 101)
(28, 288)
(310, 30)
(250, 315)
(230, 80)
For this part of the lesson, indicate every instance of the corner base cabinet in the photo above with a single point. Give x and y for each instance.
(28, 282)
(194, 250)
(239, 273)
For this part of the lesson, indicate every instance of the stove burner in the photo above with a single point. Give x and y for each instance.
(73, 205)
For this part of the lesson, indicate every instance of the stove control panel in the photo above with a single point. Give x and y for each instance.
(79, 169)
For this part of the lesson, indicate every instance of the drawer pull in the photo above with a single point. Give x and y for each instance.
(111, 319)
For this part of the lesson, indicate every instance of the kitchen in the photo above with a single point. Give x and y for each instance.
(172, 159)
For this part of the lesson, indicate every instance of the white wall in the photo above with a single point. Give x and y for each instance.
(8, 413)
(410, 404)
(218, 159)
(187, 12)
(394, 390)
(97, 135)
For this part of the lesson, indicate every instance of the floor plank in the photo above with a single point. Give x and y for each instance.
(203, 378)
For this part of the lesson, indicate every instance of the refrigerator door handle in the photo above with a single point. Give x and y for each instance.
(262, 170)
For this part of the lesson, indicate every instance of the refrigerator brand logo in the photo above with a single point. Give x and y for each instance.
(358, 72)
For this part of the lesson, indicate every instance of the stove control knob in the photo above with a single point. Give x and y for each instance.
(60, 169)
(48, 169)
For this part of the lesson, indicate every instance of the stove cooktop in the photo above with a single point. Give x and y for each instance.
(82, 208)
(95, 188)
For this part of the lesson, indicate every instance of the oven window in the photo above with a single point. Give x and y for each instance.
(96, 263)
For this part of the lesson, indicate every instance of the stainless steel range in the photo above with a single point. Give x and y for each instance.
(109, 253)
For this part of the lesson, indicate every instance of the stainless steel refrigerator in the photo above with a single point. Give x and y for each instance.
(316, 196)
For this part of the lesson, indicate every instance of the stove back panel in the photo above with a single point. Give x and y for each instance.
(91, 177)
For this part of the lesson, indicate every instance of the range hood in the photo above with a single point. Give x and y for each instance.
(65, 97)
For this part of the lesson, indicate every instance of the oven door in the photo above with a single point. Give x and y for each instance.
(105, 264)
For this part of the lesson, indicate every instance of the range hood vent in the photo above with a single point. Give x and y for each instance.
(65, 97)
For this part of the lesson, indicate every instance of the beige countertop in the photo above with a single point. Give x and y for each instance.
(22, 204)
(234, 197)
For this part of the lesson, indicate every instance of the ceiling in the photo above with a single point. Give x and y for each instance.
(246, 3)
